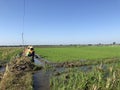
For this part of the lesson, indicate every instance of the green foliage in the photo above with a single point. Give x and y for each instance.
(79, 53)
(6, 53)
(97, 79)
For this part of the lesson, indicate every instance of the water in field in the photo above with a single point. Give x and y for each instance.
(41, 78)
(2, 69)
(38, 62)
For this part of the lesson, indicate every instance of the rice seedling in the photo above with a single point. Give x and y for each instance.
(92, 53)
(107, 79)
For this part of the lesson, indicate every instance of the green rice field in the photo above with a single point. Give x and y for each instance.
(79, 53)
(98, 78)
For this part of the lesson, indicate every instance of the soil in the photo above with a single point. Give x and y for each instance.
(14, 72)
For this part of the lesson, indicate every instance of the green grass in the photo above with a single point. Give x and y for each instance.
(12, 82)
(6, 53)
(17, 78)
(79, 53)
(97, 79)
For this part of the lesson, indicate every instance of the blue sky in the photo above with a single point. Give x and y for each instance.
(60, 21)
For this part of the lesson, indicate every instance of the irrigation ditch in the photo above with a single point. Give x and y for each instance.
(42, 77)
(2, 69)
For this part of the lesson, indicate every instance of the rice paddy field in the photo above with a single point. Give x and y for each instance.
(99, 76)
(79, 53)
(102, 76)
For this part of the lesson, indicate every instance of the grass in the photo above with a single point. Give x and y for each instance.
(7, 53)
(18, 75)
(96, 79)
(79, 53)
(13, 82)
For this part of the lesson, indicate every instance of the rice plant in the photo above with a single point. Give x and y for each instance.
(96, 79)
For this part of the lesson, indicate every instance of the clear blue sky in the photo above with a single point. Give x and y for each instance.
(60, 21)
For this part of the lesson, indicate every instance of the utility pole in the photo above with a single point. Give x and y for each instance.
(23, 24)
(22, 39)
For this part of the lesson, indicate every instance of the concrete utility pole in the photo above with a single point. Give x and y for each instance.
(23, 24)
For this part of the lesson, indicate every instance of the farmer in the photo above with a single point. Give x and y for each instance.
(29, 51)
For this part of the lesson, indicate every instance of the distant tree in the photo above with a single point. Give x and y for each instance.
(60, 45)
(114, 43)
(99, 44)
(89, 44)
